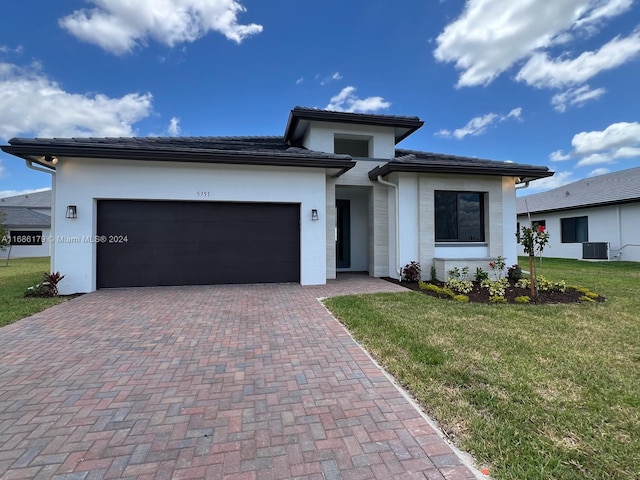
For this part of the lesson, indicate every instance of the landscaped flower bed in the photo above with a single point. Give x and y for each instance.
(499, 285)
(479, 294)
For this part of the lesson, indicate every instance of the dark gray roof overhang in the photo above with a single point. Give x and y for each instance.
(437, 163)
(300, 117)
(35, 150)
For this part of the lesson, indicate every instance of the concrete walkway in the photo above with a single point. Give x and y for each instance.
(233, 382)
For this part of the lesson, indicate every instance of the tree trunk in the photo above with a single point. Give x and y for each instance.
(532, 276)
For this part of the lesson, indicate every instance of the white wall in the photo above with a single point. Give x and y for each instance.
(320, 137)
(499, 219)
(619, 225)
(82, 182)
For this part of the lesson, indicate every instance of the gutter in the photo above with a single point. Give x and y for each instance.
(397, 223)
(52, 250)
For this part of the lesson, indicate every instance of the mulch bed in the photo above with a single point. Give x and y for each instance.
(481, 295)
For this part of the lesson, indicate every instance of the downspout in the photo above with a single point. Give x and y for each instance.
(52, 237)
(397, 225)
(522, 186)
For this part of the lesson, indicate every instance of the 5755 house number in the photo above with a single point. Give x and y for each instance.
(203, 194)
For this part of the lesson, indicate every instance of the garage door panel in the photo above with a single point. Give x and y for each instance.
(193, 243)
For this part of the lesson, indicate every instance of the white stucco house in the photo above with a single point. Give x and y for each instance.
(596, 218)
(27, 217)
(332, 194)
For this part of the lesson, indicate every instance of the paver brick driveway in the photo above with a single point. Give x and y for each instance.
(234, 382)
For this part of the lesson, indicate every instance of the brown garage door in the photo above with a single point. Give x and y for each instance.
(152, 243)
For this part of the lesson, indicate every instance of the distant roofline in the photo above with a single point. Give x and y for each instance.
(614, 188)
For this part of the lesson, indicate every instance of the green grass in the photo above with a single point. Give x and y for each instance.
(532, 391)
(14, 280)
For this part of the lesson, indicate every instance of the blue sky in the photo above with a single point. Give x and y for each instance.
(551, 82)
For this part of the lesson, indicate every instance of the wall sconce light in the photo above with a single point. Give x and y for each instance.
(72, 211)
(314, 215)
(52, 159)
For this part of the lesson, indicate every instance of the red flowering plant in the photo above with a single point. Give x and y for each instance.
(533, 240)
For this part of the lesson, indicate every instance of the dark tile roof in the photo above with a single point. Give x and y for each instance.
(612, 188)
(300, 116)
(37, 199)
(22, 217)
(416, 161)
(229, 150)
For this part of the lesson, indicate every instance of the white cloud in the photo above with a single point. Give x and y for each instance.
(119, 26)
(33, 104)
(617, 141)
(2, 174)
(598, 171)
(347, 101)
(557, 180)
(559, 156)
(627, 152)
(575, 97)
(299, 81)
(479, 125)
(13, 193)
(594, 159)
(613, 138)
(330, 78)
(491, 36)
(174, 127)
(541, 71)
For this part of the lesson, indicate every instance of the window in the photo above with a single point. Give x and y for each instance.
(575, 229)
(355, 146)
(26, 237)
(459, 216)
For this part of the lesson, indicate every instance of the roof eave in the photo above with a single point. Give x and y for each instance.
(524, 173)
(32, 152)
(403, 126)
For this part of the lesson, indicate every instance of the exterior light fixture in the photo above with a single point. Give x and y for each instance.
(52, 159)
(72, 211)
(314, 215)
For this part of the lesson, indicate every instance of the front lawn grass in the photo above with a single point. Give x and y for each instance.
(532, 391)
(14, 280)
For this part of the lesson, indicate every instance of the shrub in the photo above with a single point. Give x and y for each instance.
(522, 299)
(434, 276)
(497, 267)
(481, 275)
(47, 288)
(497, 299)
(461, 298)
(523, 283)
(497, 288)
(411, 272)
(546, 285)
(514, 273)
(584, 298)
(460, 286)
(586, 292)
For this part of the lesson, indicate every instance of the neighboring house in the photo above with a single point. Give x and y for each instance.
(331, 195)
(28, 219)
(594, 218)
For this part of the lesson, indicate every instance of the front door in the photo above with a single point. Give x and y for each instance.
(343, 240)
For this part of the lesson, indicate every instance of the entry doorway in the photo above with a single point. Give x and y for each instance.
(352, 228)
(343, 240)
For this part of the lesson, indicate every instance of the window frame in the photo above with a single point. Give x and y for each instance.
(571, 236)
(481, 212)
